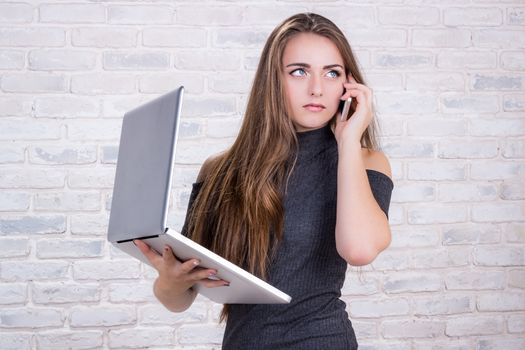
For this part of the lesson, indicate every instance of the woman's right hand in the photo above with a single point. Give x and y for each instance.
(176, 276)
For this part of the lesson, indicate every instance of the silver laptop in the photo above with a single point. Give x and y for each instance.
(141, 195)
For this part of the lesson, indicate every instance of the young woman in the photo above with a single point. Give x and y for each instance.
(298, 196)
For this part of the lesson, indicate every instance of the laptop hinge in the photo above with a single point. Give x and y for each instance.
(131, 240)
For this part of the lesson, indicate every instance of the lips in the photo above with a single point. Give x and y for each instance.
(314, 107)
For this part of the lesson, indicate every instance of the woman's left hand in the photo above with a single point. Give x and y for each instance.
(350, 131)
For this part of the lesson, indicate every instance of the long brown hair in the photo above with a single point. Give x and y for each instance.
(240, 203)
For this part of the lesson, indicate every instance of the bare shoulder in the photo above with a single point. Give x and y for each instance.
(208, 165)
(376, 160)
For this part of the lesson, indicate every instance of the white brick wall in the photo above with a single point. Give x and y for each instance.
(449, 84)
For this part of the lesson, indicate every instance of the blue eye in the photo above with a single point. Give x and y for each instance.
(336, 73)
(296, 70)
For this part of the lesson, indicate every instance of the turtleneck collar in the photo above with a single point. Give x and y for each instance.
(313, 141)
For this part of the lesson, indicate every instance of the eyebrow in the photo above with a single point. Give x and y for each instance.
(306, 65)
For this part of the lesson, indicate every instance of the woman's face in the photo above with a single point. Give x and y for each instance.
(313, 74)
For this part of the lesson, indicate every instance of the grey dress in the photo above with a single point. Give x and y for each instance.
(306, 265)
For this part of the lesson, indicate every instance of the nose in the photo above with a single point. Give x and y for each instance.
(315, 87)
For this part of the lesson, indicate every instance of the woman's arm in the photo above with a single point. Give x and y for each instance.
(362, 228)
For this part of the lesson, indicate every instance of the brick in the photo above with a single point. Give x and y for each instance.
(95, 178)
(378, 308)
(391, 260)
(101, 316)
(459, 103)
(500, 127)
(174, 37)
(380, 38)
(435, 81)
(16, 341)
(496, 170)
(31, 178)
(101, 83)
(472, 16)
(207, 60)
(407, 103)
(516, 278)
(136, 14)
(513, 189)
(66, 106)
(436, 127)
(512, 60)
(412, 282)
(191, 129)
(495, 82)
(72, 13)
(65, 292)
(208, 106)
(10, 154)
(94, 130)
(439, 171)
(26, 129)
(393, 59)
(440, 258)
(498, 38)
(230, 82)
(16, 13)
(30, 82)
(141, 337)
(209, 15)
(434, 344)
(475, 280)
(439, 305)
(513, 148)
(233, 38)
(27, 271)
(471, 59)
(102, 37)
(414, 237)
(514, 103)
(151, 60)
(69, 60)
(412, 329)
(41, 36)
(109, 154)
(514, 232)
(474, 325)
(11, 59)
(498, 256)
(69, 248)
(223, 127)
(504, 301)
(498, 212)
(67, 339)
(195, 334)
(67, 201)
(14, 247)
(34, 224)
(471, 192)
(515, 15)
(516, 324)
(441, 38)
(16, 106)
(471, 234)
(159, 315)
(106, 269)
(468, 149)
(31, 317)
(189, 152)
(437, 214)
(162, 82)
(501, 343)
(408, 15)
(131, 292)
(14, 201)
(273, 14)
(12, 293)
(89, 224)
(66, 154)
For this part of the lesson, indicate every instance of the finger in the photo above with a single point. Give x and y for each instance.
(189, 265)
(153, 257)
(168, 256)
(213, 284)
(202, 274)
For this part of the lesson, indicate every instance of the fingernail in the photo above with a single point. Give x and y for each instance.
(226, 284)
(212, 273)
(196, 262)
(166, 248)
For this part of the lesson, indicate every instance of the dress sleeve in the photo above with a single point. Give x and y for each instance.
(196, 187)
(382, 187)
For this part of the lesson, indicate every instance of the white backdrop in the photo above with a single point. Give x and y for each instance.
(448, 81)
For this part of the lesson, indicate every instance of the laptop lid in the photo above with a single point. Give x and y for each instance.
(146, 154)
